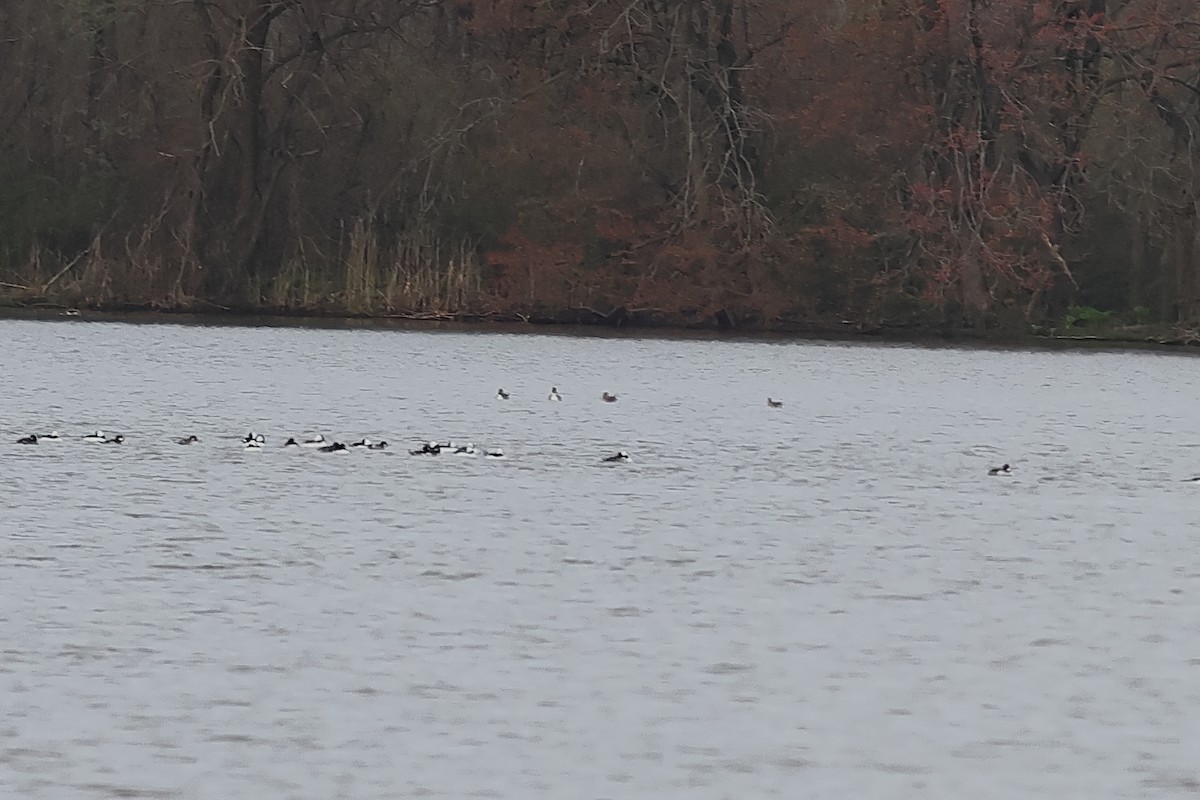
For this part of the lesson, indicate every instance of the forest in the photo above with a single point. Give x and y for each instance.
(973, 165)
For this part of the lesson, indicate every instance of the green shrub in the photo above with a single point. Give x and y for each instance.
(1087, 317)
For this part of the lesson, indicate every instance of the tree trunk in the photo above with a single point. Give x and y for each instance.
(972, 284)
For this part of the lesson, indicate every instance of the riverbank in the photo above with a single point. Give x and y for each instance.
(619, 317)
(593, 323)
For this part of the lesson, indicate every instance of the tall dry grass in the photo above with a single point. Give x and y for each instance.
(371, 272)
(417, 273)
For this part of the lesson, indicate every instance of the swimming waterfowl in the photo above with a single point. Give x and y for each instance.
(608, 398)
(188, 440)
(428, 449)
(554, 395)
(254, 437)
(30, 439)
(252, 444)
(620, 456)
(291, 442)
(1003, 469)
(501, 394)
(52, 436)
(377, 446)
(98, 436)
(118, 439)
(316, 441)
(364, 442)
(774, 403)
(495, 452)
(336, 447)
(466, 450)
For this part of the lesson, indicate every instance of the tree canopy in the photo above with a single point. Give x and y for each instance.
(899, 162)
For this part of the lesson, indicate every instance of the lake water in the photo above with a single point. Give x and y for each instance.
(831, 599)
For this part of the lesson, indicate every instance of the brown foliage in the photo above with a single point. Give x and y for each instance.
(894, 162)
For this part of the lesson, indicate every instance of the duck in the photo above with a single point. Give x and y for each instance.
(336, 447)
(495, 452)
(428, 449)
(52, 436)
(252, 444)
(316, 441)
(608, 398)
(1003, 469)
(118, 439)
(291, 442)
(377, 446)
(254, 437)
(466, 450)
(98, 436)
(188, 439)
(363, 442)
(774, 403)
(554, 395)
(620, 456)
(30, 439)
(501, 394)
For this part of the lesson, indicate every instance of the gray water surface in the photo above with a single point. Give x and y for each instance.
(831, 599)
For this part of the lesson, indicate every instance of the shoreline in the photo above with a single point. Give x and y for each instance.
(590, 323)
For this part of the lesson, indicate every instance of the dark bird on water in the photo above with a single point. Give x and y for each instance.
(608, 398)
(1004, 469)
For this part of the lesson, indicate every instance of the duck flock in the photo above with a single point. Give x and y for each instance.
(256, 441)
